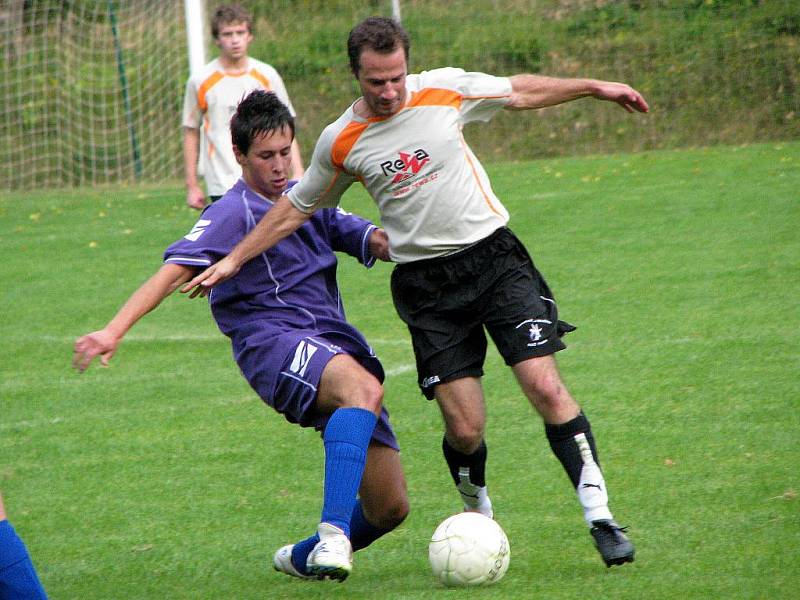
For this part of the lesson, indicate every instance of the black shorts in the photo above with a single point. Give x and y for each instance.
(447, 301)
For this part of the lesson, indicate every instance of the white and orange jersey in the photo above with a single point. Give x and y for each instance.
(212, 96)
(434, 196)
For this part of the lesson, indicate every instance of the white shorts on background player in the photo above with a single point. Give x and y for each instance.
(209, 103)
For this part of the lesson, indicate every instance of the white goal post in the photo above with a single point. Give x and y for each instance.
(195, 34)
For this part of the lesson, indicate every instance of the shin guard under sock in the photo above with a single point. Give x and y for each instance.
(573, 444)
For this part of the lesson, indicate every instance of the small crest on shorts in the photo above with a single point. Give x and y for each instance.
(533, 329)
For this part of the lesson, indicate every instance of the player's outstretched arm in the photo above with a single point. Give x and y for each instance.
(104, 342)
(281, 220)
(537, 91)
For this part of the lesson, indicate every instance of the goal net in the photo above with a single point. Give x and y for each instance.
(91, 90)
(88, 91)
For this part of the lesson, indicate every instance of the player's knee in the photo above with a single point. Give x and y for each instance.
(367, 393)
(465, 435)
(393, 513)
(399, 512)
(551, 399)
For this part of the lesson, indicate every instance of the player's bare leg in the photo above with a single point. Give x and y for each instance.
(463, 409)
(540, 381)
(570, 436)
(383, 494)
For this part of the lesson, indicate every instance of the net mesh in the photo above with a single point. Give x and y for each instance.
(91, 90)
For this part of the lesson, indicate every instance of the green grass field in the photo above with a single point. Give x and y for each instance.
(164, 476)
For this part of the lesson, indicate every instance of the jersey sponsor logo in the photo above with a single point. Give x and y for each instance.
(533, 331)
(197, 230)
(408, 165)
(405, 189)
(302, 357)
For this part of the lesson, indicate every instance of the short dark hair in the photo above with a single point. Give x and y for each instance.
(380, 34)
(260, 112)
(229, 14)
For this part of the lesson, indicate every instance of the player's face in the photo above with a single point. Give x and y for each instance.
(233, 40)
(266, 166)
(382, 78)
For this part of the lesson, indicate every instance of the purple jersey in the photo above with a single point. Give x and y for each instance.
(292, 285)
(285, 295)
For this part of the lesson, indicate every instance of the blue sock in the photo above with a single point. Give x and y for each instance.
(301, 551)
(346, 439)
(362, 534)
(18, 577)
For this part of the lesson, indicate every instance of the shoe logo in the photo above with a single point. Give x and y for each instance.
(198, 230)
(594, 485)
(302, 357)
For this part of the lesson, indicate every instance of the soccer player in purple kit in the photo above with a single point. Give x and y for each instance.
(291, 339)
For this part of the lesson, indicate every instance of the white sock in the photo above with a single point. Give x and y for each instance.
(592, 492)
(475, 497)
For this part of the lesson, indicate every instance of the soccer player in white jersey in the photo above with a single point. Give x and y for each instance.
(460, 270)
(210, 100)
(291, 340)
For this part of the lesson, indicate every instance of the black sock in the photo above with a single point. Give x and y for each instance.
(475, 462)
(562, 442)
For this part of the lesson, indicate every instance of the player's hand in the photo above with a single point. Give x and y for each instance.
(195, 198)
(624, 95)
(217, 273)
(379, 245)
(99, 343)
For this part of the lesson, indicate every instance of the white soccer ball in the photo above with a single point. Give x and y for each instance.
(469, 549)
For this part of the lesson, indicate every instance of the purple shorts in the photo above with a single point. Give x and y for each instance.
(285, 371)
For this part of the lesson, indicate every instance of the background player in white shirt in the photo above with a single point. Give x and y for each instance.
(211, 98)
(461, 269)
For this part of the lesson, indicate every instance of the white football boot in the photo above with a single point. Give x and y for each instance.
(282, 562)
(332, 557)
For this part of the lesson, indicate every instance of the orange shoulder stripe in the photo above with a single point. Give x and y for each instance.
(257, 75)
(345, 141)
(215, 77)
(435, 97)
